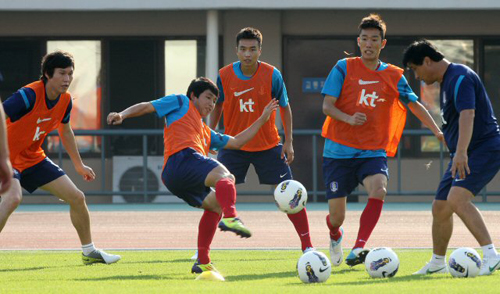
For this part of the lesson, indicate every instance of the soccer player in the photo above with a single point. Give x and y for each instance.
(188, 173)
(363, 102)
(32, 112)
(5, 165)
(246, 86)
(473, 138)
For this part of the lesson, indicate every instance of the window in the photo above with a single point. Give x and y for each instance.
(180, 65)
(85, 90)
(492, 75)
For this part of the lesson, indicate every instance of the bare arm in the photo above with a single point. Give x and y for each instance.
(139, 109)
(460, 160)
(5, 166)
(69, 143)
(423, 115)
(242, 138)
(215, 116)
(330, 110)
(287, 120)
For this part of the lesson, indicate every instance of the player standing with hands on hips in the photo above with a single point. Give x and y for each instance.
(473, 138)
(363, 102)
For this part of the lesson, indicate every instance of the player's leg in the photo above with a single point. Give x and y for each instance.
(272, 170)
(373, 173)
(225, 194)
(340, 180)
(65, 189)
(10, 201)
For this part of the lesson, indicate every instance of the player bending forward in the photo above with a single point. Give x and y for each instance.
(188, 173)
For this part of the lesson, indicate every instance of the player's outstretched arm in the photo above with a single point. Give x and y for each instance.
(423, 115)
(69, 143)
(242, 138)
(332, 111)
(287, 119)
(139, 109)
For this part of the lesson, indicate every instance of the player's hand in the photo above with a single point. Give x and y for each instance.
(114, 118)
(288, 149)
(356, 119)
(460, 166)
(270, 107)
(86, 172)
(5, 174)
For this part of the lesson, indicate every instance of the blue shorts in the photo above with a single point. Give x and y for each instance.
(342, 176)
(185, 173)
(268, 164)
(483, 164)
(38, 175)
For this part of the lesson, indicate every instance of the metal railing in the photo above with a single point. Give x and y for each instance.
(314, 192)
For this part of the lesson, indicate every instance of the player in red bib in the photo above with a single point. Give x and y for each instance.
(246, 87)
(365, 119)
(34, 111)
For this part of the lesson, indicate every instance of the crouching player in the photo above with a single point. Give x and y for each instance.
(32, 112)
(187, 172)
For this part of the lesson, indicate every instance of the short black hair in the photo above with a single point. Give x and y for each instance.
(373, 21)
(418, 50)
(249, 33)
(200, 85)
(57, 59)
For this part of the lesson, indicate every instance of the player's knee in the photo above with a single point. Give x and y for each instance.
(228, 176)
(78, 197)
(379, 193)
(13, 201)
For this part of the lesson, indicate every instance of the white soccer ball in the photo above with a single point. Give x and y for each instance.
(382, 263)
(464, 263)
(290, 196)
(314, 267)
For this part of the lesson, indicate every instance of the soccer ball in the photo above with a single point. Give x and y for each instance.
(382, 263)
(290, 196)
(464, 263)
(314, 267)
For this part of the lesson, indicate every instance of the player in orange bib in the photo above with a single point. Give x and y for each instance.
(34, 111)
(246, 87)
(364, 103)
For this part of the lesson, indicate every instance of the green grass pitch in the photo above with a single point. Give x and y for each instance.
(246, 271)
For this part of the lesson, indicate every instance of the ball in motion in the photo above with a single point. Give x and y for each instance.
(464, 263)
(290, 196)
(314, 267)
(382, 263)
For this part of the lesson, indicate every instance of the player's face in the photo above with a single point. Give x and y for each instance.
(248, 52)
(60, 80)
(370, 43)
(205, 103)
(422, 72)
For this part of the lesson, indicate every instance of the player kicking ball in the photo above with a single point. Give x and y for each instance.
(32, 112)
(188, 172)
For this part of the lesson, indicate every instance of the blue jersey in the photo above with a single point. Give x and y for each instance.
(278, 85)
(174, 107)
(462, 89)
(23, 101)
(333, 87)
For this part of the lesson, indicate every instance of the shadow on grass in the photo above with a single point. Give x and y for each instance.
(408, 278)
(239, 278)
(127, 278)
(23, 269)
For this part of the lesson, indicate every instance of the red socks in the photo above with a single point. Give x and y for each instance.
(301, 224)
(368, 221)
(335, 232)
(225, 193)
(206, 231)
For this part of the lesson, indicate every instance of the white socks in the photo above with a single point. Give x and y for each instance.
(87, 249)
(438, 259)
(489, 251)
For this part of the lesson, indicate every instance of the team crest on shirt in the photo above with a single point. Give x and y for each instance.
(334, 186)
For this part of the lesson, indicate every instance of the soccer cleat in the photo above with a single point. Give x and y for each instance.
(308, 249)
(195, 256)
(199, 268)
(235, 225)
(336, 254)
(99, 256)
(357, 256)
(432, 268)
(489, 265)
